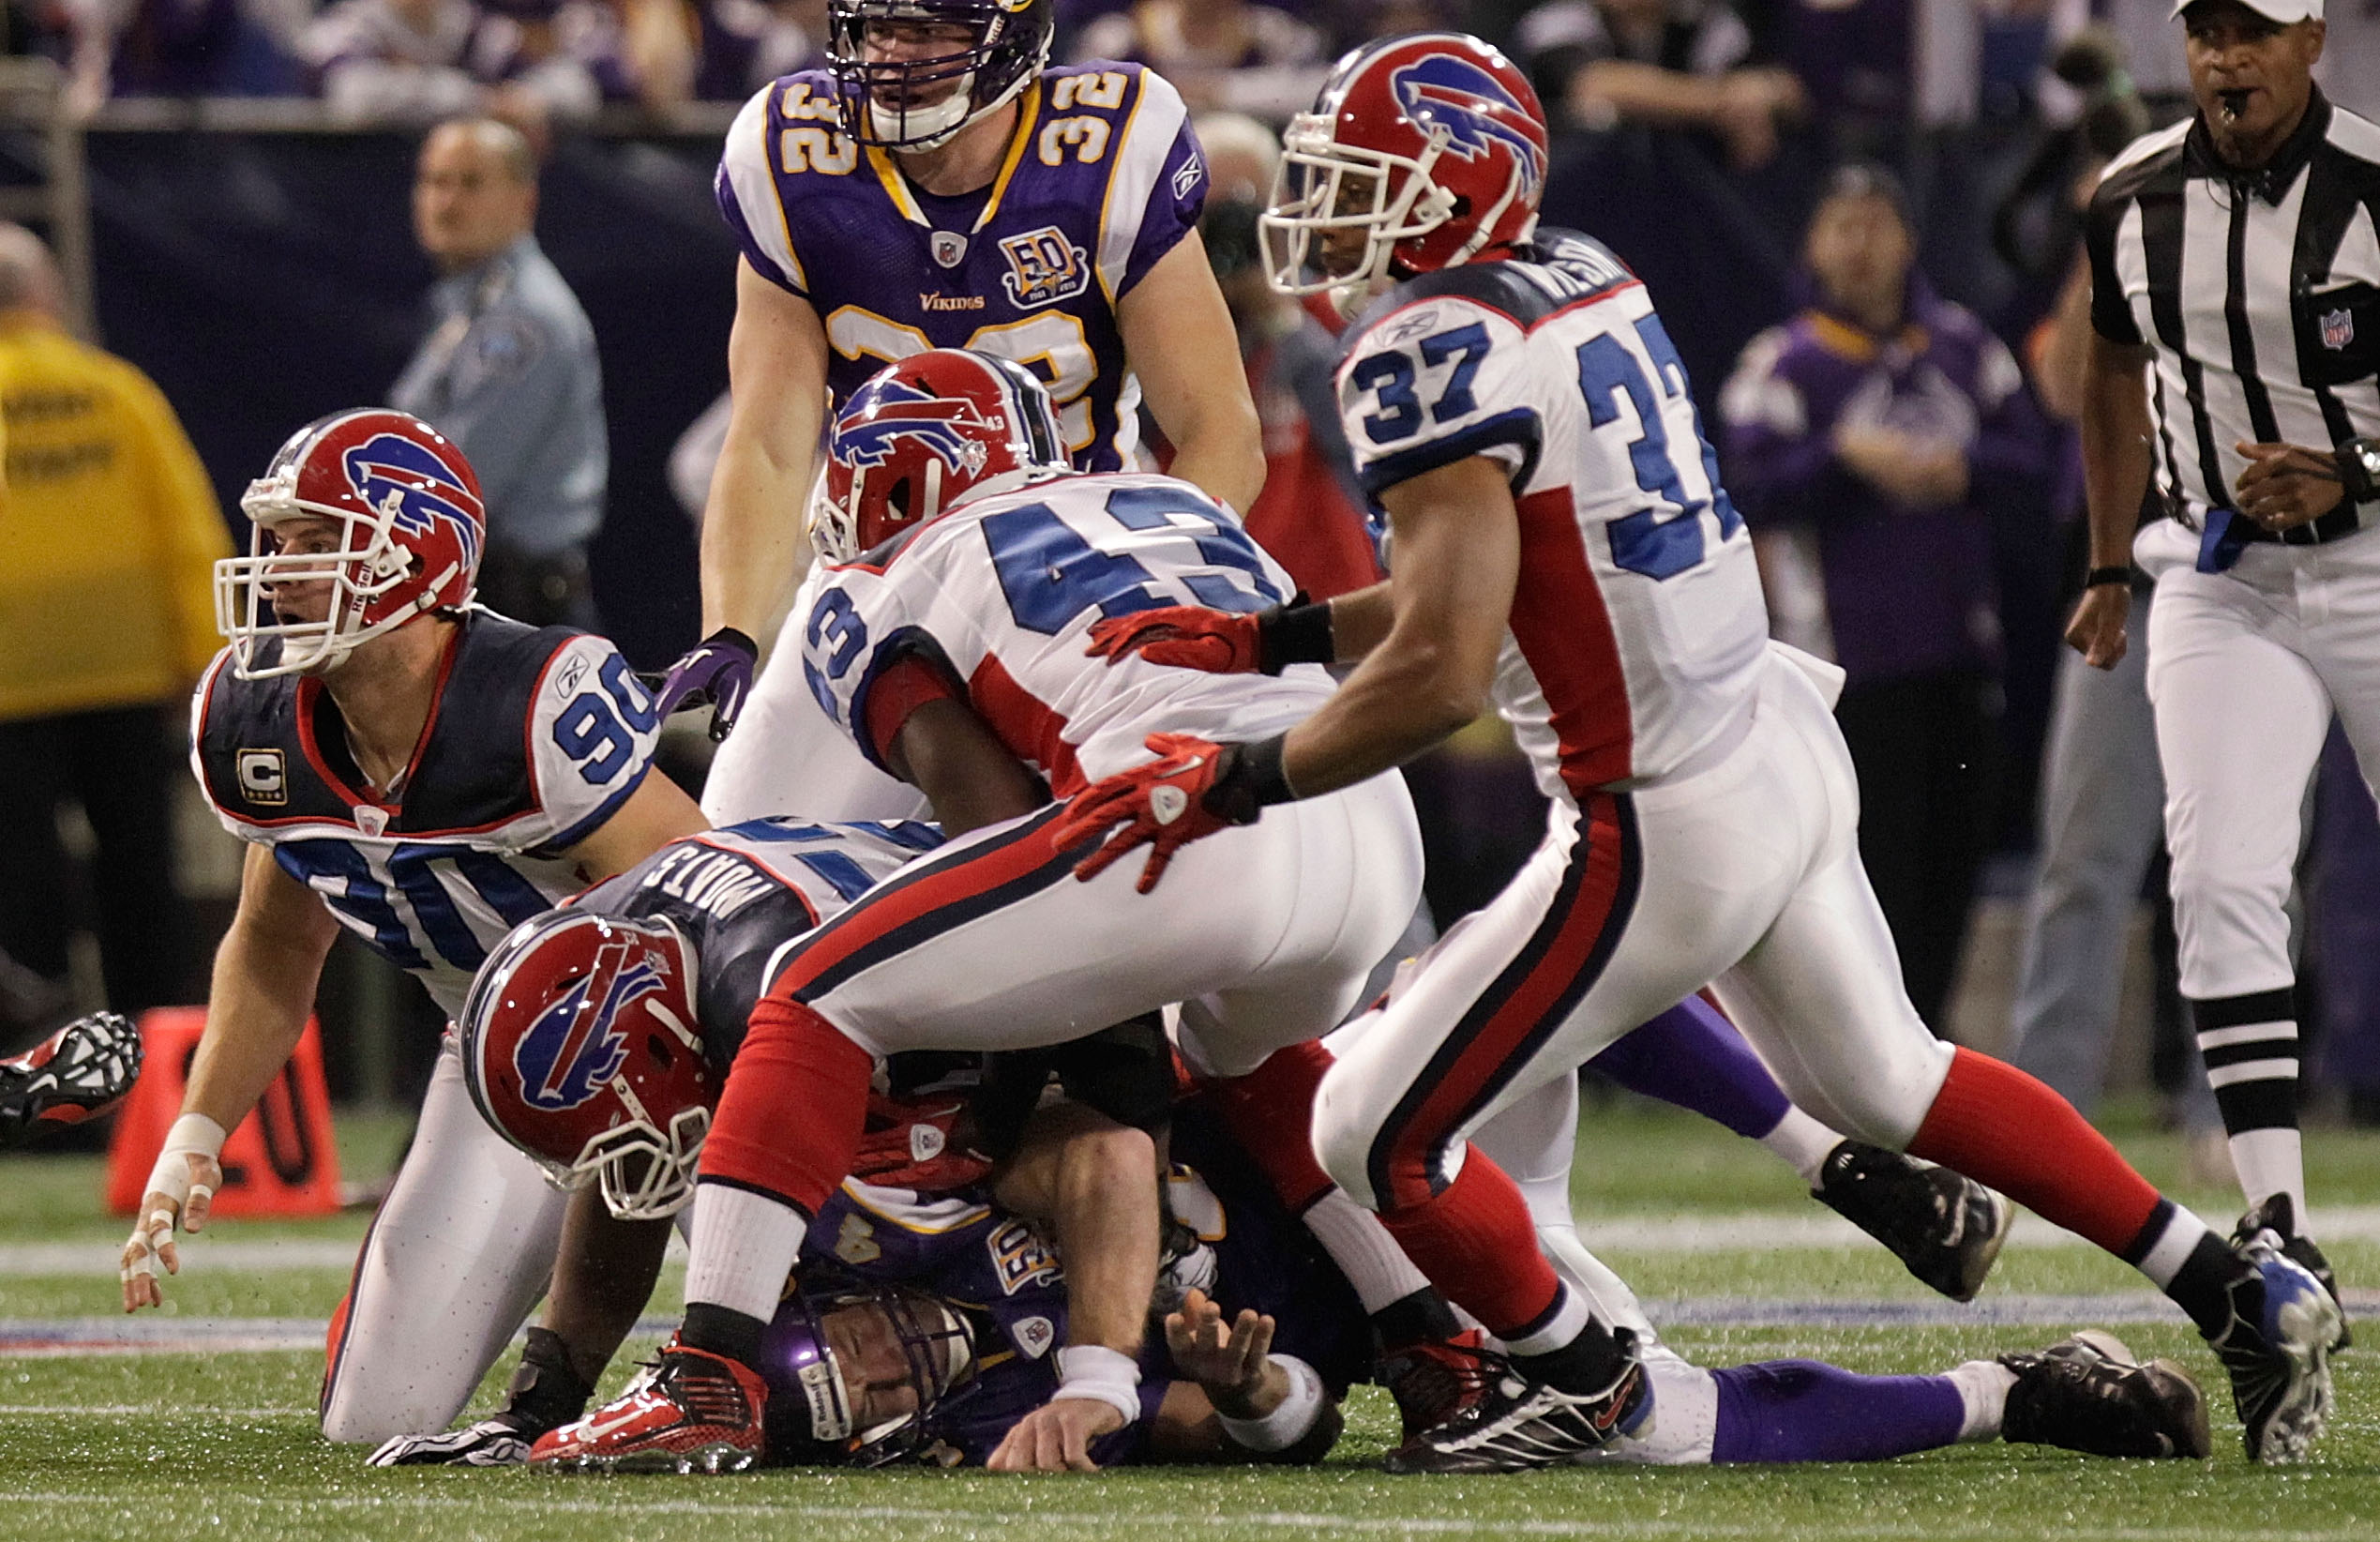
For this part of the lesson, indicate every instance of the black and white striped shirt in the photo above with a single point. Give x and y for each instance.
(2259, 289)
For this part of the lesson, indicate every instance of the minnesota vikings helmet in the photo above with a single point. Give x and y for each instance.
(823, 1355)
(903, 102)
(924, 434)
(581, 1046)
(1431, 147)
(409, 528)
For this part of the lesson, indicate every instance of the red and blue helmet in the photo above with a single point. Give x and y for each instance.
(1009, 43)
(922, 436)
(1433, 146)
(412, 527)
(581, 1046)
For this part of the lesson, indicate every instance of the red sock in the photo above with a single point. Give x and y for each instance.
(1270, 1111)
(2007, 1131)
(790, 1119)
(1478, 1244)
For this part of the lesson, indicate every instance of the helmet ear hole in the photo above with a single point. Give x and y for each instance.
(659, 1048)
(899, 497)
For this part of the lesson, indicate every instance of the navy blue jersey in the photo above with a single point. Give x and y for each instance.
(740, 894)
(536, 738)
(1013, 1289)
(1102, 179)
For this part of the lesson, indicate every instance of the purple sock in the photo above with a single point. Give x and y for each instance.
(1691, 1056)
(1805, 1410)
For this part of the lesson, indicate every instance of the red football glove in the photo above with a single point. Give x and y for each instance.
(1162, 804)
(1185, 636)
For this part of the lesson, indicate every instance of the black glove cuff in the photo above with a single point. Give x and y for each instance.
(1253, 780)
(729, 637)
(546, 1391)
(2357, 460)
(1295, 633)
(2114, 573)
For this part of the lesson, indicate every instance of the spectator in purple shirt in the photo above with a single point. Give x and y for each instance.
(1885, 432)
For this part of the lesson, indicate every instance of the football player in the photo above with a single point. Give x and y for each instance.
(426, 774)
(936, 186)
(1563, 546)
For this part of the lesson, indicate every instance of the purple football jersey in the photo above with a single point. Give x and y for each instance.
(1102, 178)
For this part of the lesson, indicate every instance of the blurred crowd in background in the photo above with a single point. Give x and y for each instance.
(1861, 219)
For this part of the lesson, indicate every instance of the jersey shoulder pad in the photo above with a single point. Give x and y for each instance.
(784, 143)
(247, 756)
(590, 733)
(1134, 127)
(2142, 162)
(1440, 372)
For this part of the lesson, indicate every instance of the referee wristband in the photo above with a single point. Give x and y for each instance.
(1295, 634)
(1102, 1375)
(2116, 573)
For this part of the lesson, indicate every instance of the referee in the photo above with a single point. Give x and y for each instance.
(2236, 303)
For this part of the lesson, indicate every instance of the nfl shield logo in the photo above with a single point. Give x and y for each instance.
(2338, 329)
(949, 248)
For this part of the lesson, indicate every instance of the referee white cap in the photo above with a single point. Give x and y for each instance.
(2283, 11)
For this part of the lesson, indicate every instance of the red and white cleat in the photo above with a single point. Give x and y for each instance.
(689, 1411)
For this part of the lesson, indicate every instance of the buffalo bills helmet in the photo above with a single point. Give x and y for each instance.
(408, 528)
(581, 1046)
(1431, 149)
(823, 1356)
(924, 434)
(901, 100)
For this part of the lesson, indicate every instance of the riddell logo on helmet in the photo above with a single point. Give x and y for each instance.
(1440, 90)
(423, 489)
(902, 412)
(575, 1047)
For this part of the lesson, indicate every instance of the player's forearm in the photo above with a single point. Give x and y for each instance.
(1105, 1217)
(1223, 459)
(1398, 704)
(257, 1002)
(754, 548)
(1360, 622)
(2116, 449)
(603, 1274)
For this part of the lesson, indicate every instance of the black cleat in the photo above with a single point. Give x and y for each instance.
(2088, 1394)
(2279, 1215)
(1519, 1425)
(1435, 1381)
(78, 1073)
(2277, 1348)
(1946, 1227)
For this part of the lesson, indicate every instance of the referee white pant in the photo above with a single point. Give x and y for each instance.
(1745, 875)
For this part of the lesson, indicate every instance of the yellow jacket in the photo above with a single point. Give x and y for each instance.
(108, 533)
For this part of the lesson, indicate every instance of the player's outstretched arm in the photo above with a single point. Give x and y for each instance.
(1178, 340)
(656, 813)
(263, 987)
(947, 752)
(1239, 1403)
(2116, 470)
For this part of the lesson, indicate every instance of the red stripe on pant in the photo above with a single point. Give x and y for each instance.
(1562, 957)
(334, 1339)
(795, 1107)
(2007, 1131)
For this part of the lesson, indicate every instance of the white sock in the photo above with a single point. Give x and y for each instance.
(743, 1247)
(1803, 1142)
(1363, 1250)
(2269, 1162)
(1983, 1386)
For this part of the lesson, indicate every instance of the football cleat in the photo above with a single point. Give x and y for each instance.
(691, 1411)
(2277, 1348)
(1433, 1382)
(2279, 1215)
(78, 1073)
(2087, 1393)
(1518, 1425)
(1947, 1228)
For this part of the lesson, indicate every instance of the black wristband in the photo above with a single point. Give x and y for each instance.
(2118, 573)
(1253, 780)
(1295, 633)
(729, 635)
(546, 1391)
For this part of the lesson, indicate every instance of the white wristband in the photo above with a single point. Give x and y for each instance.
(1101, 1374)
(1289, 1423)
(192, 1135)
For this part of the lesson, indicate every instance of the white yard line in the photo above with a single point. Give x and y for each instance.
(1106, 1522)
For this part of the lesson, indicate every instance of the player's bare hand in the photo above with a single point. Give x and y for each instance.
(151, 1245)
(2097, 630)
(1056, 1437)
(2288, 485)
(1226, 1359)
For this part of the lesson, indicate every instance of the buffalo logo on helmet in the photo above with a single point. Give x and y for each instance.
(897, 411)
(1442, 91)
(389, 469)
(575, 1047)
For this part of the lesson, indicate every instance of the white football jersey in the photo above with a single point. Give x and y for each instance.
(1002, 594)
(536, 738)
(1637, 626)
